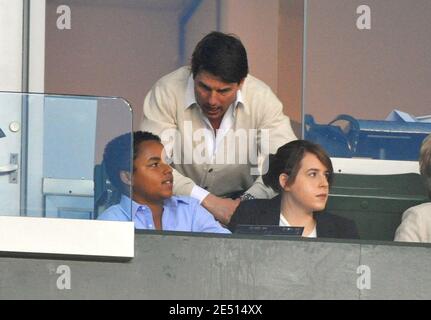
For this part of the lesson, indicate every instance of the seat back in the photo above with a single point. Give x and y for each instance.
(105, 194)
(375, 202)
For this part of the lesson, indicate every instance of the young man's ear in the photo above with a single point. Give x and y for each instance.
(283, 180)
(126, 177)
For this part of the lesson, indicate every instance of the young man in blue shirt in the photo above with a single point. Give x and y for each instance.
(151, 204)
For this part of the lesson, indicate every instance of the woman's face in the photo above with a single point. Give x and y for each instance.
(310, 189)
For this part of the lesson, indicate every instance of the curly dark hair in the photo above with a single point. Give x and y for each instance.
(118, 156)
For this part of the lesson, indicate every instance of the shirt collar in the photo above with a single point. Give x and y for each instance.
(191, 98)
(190, 93)
(131, 207)
(174, 200)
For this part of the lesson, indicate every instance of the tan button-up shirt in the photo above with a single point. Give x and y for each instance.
(259, 127)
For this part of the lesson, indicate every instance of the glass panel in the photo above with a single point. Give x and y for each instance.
(366, 101)
(365, 96)
(51, 157)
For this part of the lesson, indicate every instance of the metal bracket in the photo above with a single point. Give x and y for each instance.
(11, 168)
(13, 175)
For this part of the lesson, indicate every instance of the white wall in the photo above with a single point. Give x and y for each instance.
(37, 46)
(11, 13)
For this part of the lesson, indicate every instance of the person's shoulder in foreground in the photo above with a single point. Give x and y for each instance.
(416, 221)
(416, 224)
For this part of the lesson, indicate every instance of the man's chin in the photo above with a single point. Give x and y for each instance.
(215, 115)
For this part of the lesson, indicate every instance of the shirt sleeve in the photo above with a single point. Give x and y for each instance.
(199, 193)
(274, 130)
(204, 221)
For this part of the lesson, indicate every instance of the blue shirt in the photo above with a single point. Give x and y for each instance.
(180, 213)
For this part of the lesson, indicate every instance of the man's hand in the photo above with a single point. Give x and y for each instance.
(221, 208)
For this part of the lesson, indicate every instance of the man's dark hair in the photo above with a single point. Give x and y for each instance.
(288, 160)
(222, 55)
(117, 155)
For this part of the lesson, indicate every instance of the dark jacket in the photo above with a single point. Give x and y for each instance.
(267, 212)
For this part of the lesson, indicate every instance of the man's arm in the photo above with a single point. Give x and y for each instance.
(274, 130)
(204, 221)
(221, 208)
(160, 117)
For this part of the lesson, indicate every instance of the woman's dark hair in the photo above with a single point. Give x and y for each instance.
(222, 55)
(288, 160)
(117, 155)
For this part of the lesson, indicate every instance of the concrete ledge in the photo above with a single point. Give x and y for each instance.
(176, 266)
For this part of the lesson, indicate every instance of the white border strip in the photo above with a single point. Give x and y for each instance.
(67, 236)
(373, 166)
(68, 187)
(11, 15)
(36, 80)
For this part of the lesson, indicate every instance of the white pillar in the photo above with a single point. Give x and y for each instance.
(37, 46)
(11, 15)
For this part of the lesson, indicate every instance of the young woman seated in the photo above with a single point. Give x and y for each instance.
(301, 172)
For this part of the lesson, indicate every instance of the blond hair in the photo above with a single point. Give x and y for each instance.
(425, 162)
